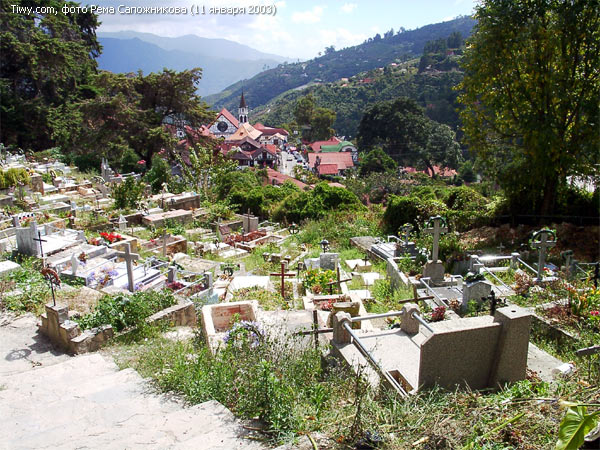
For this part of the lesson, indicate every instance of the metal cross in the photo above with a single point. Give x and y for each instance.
(337, 282)
(282, 274)
(40, 240)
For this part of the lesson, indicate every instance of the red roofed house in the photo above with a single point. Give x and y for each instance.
(330, 163)
(276, 178)
(316, 146)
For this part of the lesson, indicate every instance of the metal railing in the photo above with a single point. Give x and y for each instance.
(396, 238)
(527, 265)
(443, 301)
(422, 321)
(376, 316)
(363, 350)
(507, 287)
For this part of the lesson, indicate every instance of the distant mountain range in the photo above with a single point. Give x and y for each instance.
(223, 62)
(374, 53)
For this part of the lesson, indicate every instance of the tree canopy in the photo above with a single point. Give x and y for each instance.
(46, 59)
(530, 92)
(402, 130)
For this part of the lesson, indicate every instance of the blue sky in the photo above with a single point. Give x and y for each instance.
(299, 29)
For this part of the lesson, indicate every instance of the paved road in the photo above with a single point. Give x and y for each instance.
(287, 167)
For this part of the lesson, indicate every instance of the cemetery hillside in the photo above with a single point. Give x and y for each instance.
(393, 244)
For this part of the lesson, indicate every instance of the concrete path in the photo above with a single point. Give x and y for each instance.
(50, 400)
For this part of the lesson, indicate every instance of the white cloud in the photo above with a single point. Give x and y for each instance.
(308, 17)
(349, 7)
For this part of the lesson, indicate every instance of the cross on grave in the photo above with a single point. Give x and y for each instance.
(293, 228)
(500, 248)
(299, 267)
(569, 266)
(52, 278)
(40, 240)
(337, 282)
(406, 229)
(282, 274)
(129, 258)
(436, 226)
(542, 240)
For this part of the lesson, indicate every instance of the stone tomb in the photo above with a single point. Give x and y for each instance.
(158, 220)
(218, 319)
(28, 240)
(479, 352)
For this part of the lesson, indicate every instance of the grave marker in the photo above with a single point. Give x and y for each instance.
(436, 226)
(542, 240)
(282, 274)
(129, 258)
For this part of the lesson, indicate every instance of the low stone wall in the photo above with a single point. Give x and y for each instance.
(395, 275)
(66, 334)
(180, 315)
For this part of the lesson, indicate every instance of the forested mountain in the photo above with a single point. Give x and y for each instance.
(373, 53)
(431, 89)
(131, 55)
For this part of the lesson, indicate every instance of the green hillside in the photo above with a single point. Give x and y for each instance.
(374, 53)
(432, 89)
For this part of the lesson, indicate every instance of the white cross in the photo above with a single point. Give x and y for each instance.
(542, 243)
(129, 258)
(437, 231)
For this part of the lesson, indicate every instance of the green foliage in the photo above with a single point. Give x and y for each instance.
(159, 173)
(316, 122)
(46, 58)
(129, 162)
(316, 203)
(279, 381)
(413, 210)
(530, 99)
(128, 193)
(317, 279)
(123, 311)
(574, 426)
(376, 161)
(12, 177)
(401, 128)
(24, 289)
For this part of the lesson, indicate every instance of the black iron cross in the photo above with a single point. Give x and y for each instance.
(40, 240)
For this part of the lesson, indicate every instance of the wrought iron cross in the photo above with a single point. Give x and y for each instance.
(40, 240)
(282, 274)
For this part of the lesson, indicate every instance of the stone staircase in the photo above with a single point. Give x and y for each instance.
(85, 402)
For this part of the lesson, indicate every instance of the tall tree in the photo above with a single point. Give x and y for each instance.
(402, 130)
(46, 58)
(128, 112)
(530, 92)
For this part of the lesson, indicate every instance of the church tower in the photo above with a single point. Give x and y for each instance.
(243, 110)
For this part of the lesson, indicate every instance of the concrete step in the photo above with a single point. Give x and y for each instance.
(86, 402)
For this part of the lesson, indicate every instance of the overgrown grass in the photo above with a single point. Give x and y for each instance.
(283, 383)
(385, 298)
(25, 289)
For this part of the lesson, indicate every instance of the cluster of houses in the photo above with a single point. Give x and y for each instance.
(261, 146)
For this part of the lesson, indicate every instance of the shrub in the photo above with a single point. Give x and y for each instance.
(128, 193)
(411, 210)
(159, 173)
(12, 177)
(125, 311)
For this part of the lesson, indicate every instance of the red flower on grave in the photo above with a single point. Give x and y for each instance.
(141, 162)
(595, 313)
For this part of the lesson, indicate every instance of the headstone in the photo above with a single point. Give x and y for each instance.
(328, 261)
(476, 291)
(172, 274)
(249, 222)
(122, 223)
(74, 264)
(25, 240)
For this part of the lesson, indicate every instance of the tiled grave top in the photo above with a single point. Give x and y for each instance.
(176, 214)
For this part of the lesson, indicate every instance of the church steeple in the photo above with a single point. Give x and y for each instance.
(243, 110)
